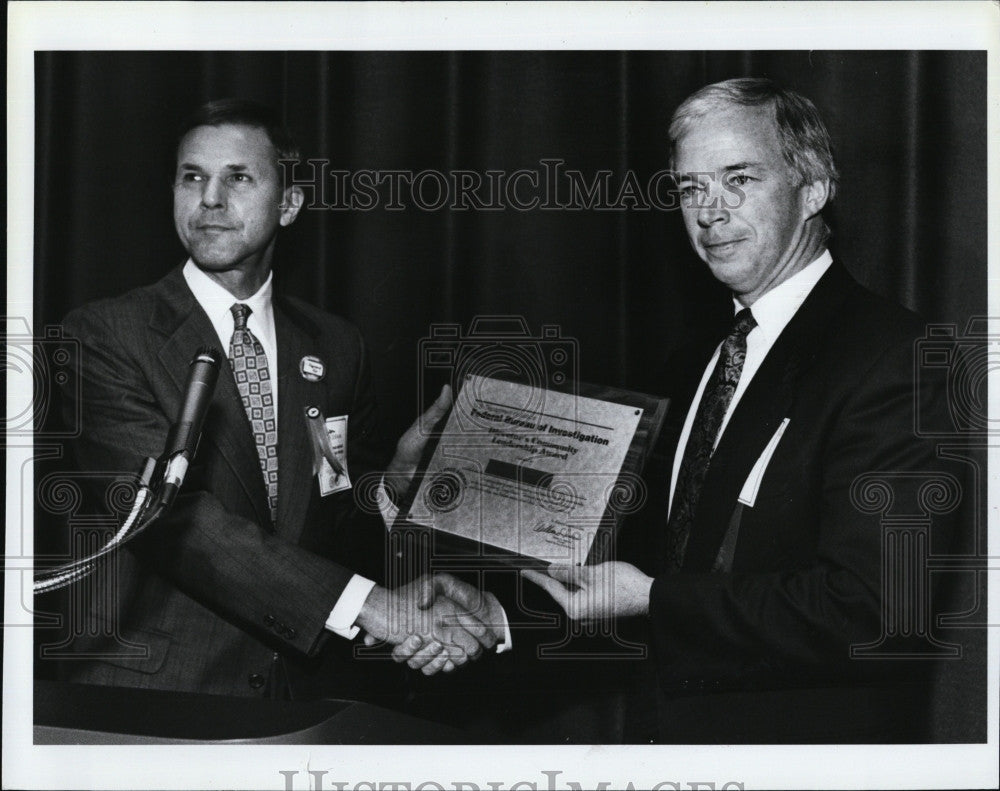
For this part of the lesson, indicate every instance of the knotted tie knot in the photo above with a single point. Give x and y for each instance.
(240, 313)
(734, 348)
(743, 323)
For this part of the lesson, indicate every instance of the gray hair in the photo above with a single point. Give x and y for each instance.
(804, 139)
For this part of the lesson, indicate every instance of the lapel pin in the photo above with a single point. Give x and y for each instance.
(312, 368)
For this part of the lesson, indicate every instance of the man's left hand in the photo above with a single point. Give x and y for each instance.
(410, 447)
(587, 593)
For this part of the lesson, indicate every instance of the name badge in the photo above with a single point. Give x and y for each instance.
(329, 442)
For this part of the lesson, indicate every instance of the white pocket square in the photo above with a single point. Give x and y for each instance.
(748, 494)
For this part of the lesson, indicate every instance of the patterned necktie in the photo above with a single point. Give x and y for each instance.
(704, 432)
(253, 379)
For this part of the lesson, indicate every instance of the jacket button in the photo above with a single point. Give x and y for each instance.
(290, 633)
(256, 681)
(269, 619)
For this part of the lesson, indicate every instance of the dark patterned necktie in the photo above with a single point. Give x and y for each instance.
(253, 380)
(704, 431)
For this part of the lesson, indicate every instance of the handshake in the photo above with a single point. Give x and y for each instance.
(436, 623)
(439, 623)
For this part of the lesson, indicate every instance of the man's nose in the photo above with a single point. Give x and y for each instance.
(712, 210)
(711, 214)
(214, 194)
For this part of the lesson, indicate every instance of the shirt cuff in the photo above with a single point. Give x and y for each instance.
(508, 641)
(345, 612)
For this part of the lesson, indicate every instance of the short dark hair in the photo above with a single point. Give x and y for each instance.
(804, 139)
(244, 112)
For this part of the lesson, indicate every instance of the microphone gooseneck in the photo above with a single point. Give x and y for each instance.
(154, 497)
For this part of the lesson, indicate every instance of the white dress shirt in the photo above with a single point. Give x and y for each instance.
(772, 312)
(216, 302)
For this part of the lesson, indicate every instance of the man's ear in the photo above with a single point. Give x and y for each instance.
(291, 202)
(815, 194)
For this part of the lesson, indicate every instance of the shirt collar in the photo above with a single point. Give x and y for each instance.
(775, 309)
(216, 302)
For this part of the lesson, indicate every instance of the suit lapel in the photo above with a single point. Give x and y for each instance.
(179, 317)
(296, 479)
(760, 411)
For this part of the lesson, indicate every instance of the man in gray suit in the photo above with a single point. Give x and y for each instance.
(261, 559)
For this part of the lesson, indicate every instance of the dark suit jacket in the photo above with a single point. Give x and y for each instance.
(762, 651)
(209, 597)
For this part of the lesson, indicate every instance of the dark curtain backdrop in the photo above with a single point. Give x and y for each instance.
(910, 219)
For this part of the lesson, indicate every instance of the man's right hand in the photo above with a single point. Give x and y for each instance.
(429, 628)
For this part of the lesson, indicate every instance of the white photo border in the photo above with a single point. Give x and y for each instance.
(460, 26)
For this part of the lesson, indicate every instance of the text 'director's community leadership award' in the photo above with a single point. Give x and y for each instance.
(533, 472)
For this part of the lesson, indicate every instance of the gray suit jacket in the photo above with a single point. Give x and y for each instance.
(209, 597)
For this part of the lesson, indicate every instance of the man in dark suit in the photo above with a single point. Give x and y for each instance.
(768, 571)
(261, 560)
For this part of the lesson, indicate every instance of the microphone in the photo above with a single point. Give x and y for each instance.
(182, 441)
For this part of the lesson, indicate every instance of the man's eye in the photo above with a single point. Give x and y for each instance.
(693, 195)
(190, 177)
(240, 178)
(739, 179)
